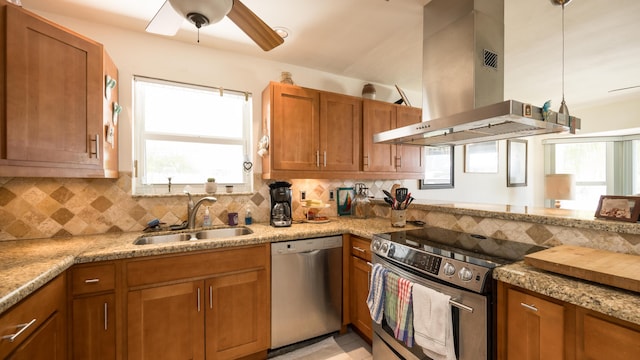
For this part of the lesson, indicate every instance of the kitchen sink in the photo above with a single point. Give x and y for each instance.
(199, 235)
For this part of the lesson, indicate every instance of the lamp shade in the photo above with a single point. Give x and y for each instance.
(560, 187)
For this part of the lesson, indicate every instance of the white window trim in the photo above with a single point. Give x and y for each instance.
(138, 188)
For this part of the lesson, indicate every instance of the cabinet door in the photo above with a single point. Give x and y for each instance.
(295, 128)
(238, 315)
(94, 327)
(411, 158)
(54, 111)
(601, 337)
(378, 117)
(360, 272)
(340, 132)
(535, 327)
(166, 322)
(46, 343)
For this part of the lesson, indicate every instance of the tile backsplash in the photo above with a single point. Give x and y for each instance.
(54, 207)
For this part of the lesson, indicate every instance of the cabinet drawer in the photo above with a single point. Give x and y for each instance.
(93, 278)
(361, 248)
(26, 317)
(193, 266)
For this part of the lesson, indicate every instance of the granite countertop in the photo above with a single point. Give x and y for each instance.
(608, 300)
(26, 265)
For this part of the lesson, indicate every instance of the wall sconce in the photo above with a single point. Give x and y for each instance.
(559, 187)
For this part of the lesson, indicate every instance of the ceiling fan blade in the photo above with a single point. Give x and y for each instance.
(166, 21)
(253, 26)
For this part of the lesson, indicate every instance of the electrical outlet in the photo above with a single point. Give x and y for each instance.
(303, 195)
(332, 195)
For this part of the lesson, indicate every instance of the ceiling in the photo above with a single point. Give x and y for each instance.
(381, 41)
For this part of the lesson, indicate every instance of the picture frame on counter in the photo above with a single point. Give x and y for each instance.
(517, 162)
(481, 157)
(438, 172)
(619, 208)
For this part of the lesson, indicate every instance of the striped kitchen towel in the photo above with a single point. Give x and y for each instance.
(375, 300)
(404, 327)
(391, 300)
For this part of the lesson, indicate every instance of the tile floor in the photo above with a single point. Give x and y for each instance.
(351, 343)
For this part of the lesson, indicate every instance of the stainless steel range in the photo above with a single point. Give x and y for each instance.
(453, 263)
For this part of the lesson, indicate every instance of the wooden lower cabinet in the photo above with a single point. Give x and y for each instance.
(359, 275)
(212, 305)
(535, 327)
(93, 327)
(237, 320)
(37, 325)
(602, 337)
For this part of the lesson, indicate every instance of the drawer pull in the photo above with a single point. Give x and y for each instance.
(92, 281)
(210, 297)
(356, 248)
(21, 328)
(530, 307)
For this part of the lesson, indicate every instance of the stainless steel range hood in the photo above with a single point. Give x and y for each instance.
(463, 82)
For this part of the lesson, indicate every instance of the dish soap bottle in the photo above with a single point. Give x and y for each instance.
(248, 220)
(207, 218)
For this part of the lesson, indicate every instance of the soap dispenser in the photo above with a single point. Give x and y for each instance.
(207, 218)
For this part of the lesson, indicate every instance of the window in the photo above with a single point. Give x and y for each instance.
(185, 134)
(602, 165)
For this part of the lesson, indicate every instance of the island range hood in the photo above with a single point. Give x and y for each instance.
(463, 82)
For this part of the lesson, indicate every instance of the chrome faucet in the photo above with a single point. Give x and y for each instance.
(192, 209)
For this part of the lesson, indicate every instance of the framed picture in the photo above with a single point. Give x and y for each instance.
(438, 172)
(621, 208)
(516, 163)
(481, 157)
(345, 199)
(403, 96)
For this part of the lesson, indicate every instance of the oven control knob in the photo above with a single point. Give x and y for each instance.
(385, 247)
(449, 269)
(465, 274)
(376, 245)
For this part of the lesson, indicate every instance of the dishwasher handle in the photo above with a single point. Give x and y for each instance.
(310, 252)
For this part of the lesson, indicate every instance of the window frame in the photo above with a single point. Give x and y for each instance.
(139, 187)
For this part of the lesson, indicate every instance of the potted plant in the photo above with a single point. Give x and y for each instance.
(210, 186)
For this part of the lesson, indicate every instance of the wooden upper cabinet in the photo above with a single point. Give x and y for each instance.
(313, 134)
(411, 157)
(295, 129)
(54, 100)
(340, 132)
(380, 116)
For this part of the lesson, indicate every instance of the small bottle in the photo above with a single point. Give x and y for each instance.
(207, 218)
(248, 220)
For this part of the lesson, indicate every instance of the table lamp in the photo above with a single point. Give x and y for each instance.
(559, 187)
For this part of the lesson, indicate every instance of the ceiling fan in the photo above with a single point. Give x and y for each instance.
(168, 19)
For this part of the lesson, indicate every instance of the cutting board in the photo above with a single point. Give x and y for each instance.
(604, 267)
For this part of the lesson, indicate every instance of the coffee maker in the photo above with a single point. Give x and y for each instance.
(280, 192)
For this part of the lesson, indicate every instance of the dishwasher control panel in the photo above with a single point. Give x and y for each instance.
(305, 245)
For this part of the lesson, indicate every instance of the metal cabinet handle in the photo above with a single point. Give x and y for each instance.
(530, 307)
(317, 158)
(365, 160)
(210, 297)
(356, 248)
(198, 299)
(21, 328)
(106, 316)
(325, 158)
(398, 162)
(92, 281)
(96, 139)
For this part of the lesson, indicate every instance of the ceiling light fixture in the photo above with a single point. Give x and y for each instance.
(282, 32)
(563, 106)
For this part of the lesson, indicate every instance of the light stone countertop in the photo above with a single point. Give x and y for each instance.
(26, 265)
(619, 303)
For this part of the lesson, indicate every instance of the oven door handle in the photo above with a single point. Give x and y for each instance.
(460, 306)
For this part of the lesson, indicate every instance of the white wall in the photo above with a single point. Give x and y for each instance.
(138, 53)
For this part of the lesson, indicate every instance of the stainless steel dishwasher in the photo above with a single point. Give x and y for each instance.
(306, 289)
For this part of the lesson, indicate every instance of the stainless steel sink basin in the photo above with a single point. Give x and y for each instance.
(200, 235)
